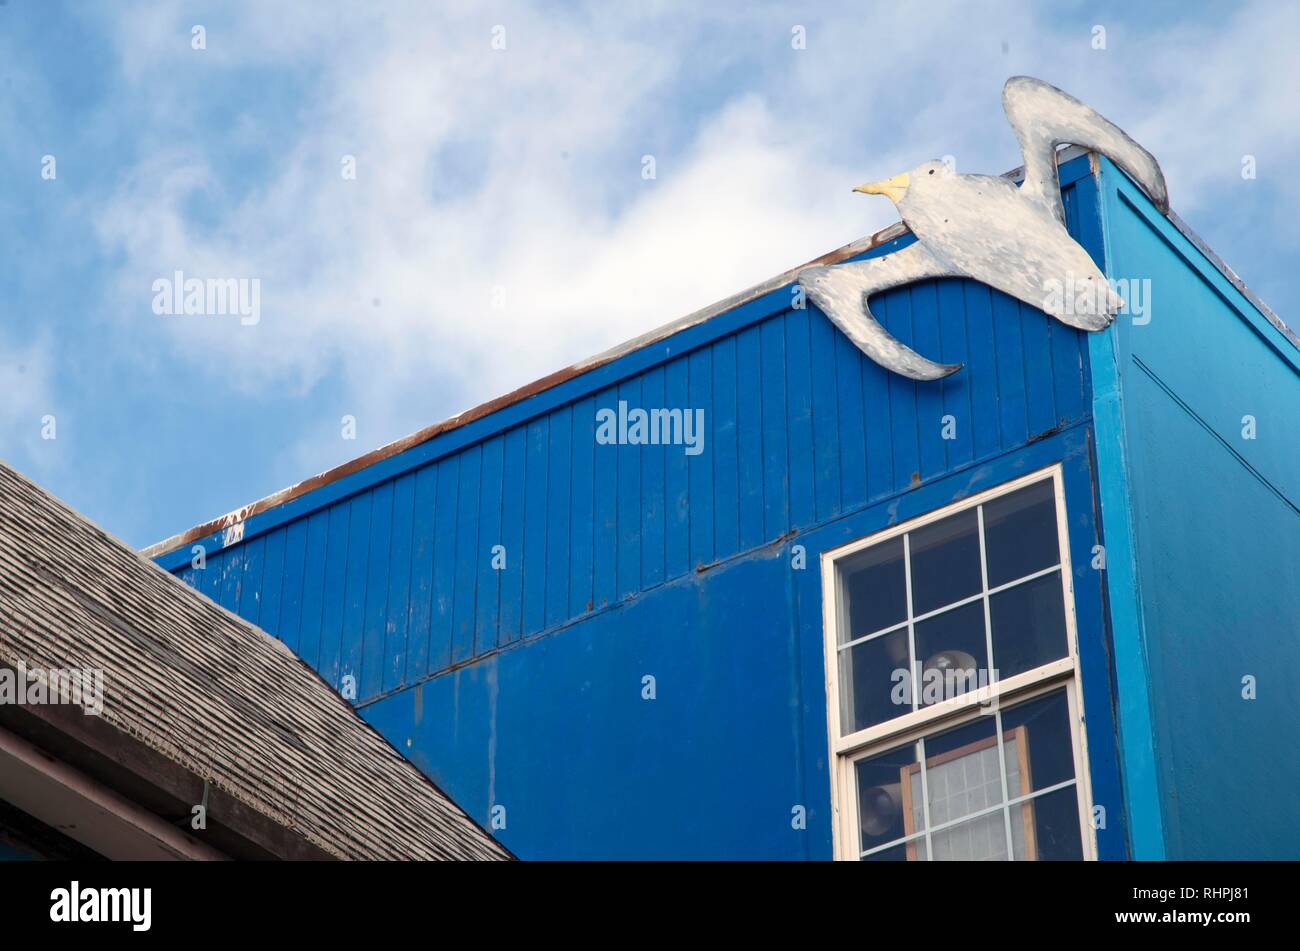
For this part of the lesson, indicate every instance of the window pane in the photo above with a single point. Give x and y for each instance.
(981, 839)
(875, 588)
(945, 562)
(882, 812)
(1028, 624)
(1020, 533)
(1046, 828)
(961, 772)
(951, 645)
(1039, 751)
(870, 691)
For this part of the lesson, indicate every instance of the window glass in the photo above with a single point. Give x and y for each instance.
(1020, 533)
(962, 772)
(945, 562)
(1028, 624)
(983, 839)
(952, 653)
(1046, 755)
(956, 789)
(1049, 827)
(875, 588)
(870, 691)
(1002, 782)
(880, 796)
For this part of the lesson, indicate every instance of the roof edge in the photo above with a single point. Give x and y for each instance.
(287, 494)
(850, 250)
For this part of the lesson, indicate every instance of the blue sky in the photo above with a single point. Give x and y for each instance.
(499, 226)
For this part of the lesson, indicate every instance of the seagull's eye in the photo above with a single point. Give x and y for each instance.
(931, 171)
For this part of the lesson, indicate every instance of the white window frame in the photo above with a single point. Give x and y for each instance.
(927, 721)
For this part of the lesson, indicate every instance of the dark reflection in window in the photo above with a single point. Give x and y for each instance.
(1051, 823)
(1020, 533)
(1028, 623)
(870, 690)
(1049, 754)
(876, 589)
(945, 562)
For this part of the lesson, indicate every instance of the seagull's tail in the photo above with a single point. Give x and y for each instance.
(1044, 117)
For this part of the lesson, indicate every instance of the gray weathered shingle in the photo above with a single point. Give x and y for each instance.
(211, 692)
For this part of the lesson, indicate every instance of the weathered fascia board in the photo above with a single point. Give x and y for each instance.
(87, 811)
(132, 770)
(539, 397)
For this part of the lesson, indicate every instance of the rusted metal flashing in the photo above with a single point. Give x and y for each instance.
(850, 250)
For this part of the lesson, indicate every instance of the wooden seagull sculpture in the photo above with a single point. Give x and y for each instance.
(988, 229)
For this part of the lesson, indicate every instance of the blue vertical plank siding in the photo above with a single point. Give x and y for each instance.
(701, 467)
(423, 522)
(251, 581)
(800, 458)
(981, 362)
(677, 476)
(852, 427)
(392, 658)
(352, 631)
(379, 571)
(289, 626)
(776, 458)
(653, 470)
(536, 473)
(468, 556)
(511, 598)
(272, 592)
(628, 480)
(487, 599)
(582, 489)
(726, 451)
(559, 484)
(523, 686)
(1040, 403)
(928, 336)
(826, 425)
(605, 513)
(334, 593)
(749, 438)
(313, 587)
(209, 578)
(950, 301)
(877, 429)
(232, 570)
(446, 526)
(905, 424)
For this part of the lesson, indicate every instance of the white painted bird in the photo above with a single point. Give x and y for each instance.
(988, 229)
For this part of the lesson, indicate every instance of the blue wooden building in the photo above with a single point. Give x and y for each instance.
(602, 645)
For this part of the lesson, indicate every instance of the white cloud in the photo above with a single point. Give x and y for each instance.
(521, 170)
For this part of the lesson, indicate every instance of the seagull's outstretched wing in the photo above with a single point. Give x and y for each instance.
(842, 290)
(1043, 117)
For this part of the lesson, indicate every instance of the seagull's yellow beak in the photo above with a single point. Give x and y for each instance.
(891, 188)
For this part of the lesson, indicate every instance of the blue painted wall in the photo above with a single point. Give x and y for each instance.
(1209, 524)
(523, 687)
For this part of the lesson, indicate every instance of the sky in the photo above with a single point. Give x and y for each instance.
(442, 202)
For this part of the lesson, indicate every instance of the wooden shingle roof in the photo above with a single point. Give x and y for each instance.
(210, 693)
